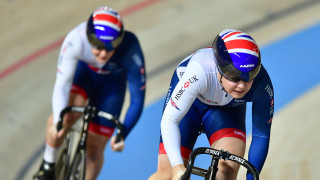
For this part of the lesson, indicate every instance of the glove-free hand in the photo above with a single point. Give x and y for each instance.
(54, 133)
(178, 171)
(118, 147)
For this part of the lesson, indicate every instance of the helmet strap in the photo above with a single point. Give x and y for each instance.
(222, 86)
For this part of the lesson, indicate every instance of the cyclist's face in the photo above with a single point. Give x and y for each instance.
(102, 55)
(235, 89)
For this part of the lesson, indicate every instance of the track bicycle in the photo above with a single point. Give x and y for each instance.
(71, 161)
(216, 155)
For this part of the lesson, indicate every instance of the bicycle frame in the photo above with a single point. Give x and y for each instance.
(213, 168)
(79, 155)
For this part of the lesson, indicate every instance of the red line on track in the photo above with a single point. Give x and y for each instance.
(30, 58)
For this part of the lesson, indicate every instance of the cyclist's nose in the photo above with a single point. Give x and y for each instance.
(241, 85)
(103, 53)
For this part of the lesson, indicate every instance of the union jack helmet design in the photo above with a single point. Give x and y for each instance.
(105, 29)
(237, 55)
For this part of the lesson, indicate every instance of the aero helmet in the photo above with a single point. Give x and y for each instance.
(237, 55)
(105, 29)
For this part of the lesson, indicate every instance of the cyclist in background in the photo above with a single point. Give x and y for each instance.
(97, 60)
(209, 89)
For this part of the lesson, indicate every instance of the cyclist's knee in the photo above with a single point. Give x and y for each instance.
(164, 170)
(94, 155)
(158, 176)
(227, 170)
(70, 118)
(96, 145)
(164, 173)
(76, 99)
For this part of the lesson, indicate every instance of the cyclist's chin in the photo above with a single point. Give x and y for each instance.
(237, 95)
(102, 60)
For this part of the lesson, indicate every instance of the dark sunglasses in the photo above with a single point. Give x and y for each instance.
(97, 44)
(234, 77)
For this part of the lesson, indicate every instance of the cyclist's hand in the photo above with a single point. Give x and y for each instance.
(54, 133)
(178, 171)
(116, 146)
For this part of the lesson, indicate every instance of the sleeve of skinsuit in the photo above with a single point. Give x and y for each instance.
(192, 83)
(262, 114)
(136, 80)
(65, 72)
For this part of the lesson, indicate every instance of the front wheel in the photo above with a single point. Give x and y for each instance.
(64, 155)
(78, 166)
(61, 165)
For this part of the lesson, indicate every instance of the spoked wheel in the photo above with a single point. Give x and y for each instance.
(78, 166)
(61, 165)
(64, 155)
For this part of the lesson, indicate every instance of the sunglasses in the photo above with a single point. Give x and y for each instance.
(234, 76)
(97, 44)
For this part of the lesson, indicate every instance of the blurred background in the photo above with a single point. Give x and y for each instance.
(169, 30)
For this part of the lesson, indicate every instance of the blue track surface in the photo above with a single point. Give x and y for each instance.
(294, 69)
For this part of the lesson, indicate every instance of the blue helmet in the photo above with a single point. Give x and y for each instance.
(105, 29)
(237, 55)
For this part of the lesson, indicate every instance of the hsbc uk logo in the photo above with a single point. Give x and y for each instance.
(179, 94)
(185, 85)
(191, 80)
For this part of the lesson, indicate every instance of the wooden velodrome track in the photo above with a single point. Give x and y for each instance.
(31, 32)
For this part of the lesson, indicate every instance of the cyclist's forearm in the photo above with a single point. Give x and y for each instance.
(172, 141)
(258, 152)
(133, 114)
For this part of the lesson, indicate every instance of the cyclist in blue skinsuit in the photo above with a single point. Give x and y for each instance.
(209, 89)
(97, 60)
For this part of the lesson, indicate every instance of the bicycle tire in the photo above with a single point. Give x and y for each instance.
(61, 165)
(64, 155)
(78, 166)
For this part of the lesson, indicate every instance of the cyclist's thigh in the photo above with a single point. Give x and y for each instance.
(76, 99)
(225, 129)
(96, 143)
(225, 125)
(229, 169)
(164, 167)
(164, 164)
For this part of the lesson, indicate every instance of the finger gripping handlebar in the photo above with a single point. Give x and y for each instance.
(66, 110)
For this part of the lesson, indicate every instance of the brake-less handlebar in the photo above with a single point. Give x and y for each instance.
(90, 112)
(216, 156)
